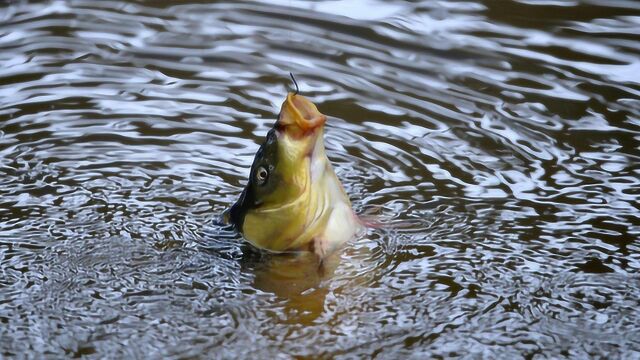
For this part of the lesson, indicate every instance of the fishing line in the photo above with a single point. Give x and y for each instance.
(294, 82)
(290, 45)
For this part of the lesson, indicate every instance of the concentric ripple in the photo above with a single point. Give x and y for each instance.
(495, 142)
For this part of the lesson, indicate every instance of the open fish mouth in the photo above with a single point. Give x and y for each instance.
(300, 115)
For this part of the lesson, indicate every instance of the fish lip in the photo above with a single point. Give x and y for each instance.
(299, 111)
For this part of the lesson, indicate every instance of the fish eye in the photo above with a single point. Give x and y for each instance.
(261, 175)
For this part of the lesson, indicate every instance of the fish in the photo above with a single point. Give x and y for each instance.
(293, 200)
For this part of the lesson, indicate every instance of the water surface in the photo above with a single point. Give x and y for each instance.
(501, 138)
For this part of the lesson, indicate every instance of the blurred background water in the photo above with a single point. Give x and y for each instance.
(503, 134)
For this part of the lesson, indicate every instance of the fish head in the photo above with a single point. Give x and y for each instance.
(279, 200)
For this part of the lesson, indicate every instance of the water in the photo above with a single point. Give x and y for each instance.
(499, 138)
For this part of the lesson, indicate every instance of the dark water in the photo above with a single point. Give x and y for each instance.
(501, 138)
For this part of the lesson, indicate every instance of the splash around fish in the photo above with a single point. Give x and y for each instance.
(293, 200)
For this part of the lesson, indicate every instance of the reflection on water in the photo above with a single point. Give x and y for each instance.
(295, 277)
(500, 138)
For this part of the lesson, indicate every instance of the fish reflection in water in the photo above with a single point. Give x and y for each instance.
(303, 280)
(295, 277)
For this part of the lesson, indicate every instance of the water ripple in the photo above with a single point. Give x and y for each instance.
(492, 144)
